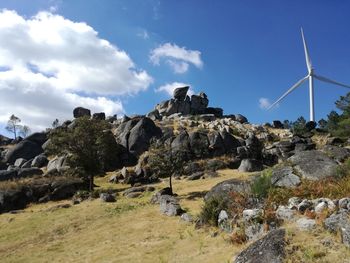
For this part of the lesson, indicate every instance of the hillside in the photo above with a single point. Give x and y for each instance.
(185, 183)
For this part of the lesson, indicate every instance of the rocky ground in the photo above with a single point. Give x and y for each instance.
(246, 193)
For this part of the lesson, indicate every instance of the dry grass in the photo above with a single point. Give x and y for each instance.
(130, 230)
(315, 246)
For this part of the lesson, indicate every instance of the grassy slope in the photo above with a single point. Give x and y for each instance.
(130, 230)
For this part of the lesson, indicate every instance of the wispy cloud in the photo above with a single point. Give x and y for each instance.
(264, 103)
(143, 34)
(178, 58)
(170, 87)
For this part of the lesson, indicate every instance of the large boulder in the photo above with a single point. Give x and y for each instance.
(270, 248)
(13, 199)
(217, 112)
(216, 143)
(240, 118)
(99, 116)
(25, 149)
(40, 161)
(181, 143)
(8, 175)
(38, 137)
(28, 172)
(313, 165)
(169, 205)
(250, 165)
(284, 177)
(199, 103)
(180, 93)
(230, 142)
(80, 112)
(199, 144)
(141, 134)
(339, 154)
(57, 164)
(222, 190)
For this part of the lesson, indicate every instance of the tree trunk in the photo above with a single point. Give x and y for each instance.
(170, 184)
(91, 186)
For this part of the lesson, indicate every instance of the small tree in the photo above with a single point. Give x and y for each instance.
(299, 126)
(55, 123)
(13, 125)
(166, 162)
(90, 146)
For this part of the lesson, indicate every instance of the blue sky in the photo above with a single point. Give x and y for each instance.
(248, 49)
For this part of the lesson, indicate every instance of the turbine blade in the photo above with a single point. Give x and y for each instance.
(289, 91)
(307, 57)
(331, 81)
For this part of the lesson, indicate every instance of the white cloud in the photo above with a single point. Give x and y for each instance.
(177, 57)
(52, 64)
(170, 87)
(264, 103)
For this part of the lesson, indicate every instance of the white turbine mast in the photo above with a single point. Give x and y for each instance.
(311, 75)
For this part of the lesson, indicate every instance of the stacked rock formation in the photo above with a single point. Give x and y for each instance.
(181, 103)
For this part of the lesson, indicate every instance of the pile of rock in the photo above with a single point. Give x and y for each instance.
(182, 104)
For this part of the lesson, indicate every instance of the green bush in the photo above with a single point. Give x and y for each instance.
(262, 184)
(211, 209)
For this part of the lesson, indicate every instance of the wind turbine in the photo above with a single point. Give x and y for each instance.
(311, 75)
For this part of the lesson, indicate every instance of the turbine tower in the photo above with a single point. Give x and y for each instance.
(311, 75)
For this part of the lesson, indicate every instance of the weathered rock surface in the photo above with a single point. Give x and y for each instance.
(284, 177)
(313, 165)
(250, 165)
(80, 112)
(270, 248)
(222, 190)
(25, 149)
(169, 205)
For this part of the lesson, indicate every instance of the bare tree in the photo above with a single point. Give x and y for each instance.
(13, 125)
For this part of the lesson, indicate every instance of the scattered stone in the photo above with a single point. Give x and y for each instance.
(195, 176)
(252, 214)
(107, 197)
(336, 220)
(223, 222)
(134, 195)
(293, 202)
(270, 248)
(344, 202)
(187, 217)
(345, 234)
(285, 213)
(19, 162)
(169, 205)
(303, 205)
(156, 197)
(254, 231)
(306, 224)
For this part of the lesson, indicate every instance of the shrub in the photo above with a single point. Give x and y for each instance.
(344, 169)
(211, 209)
(262, 184)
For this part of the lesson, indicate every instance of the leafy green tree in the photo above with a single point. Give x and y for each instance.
(299, 126)
(89, 145)
(166, 162)
(343, 104)
(322, 123)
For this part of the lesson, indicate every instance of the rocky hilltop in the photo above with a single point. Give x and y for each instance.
(285, 169)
